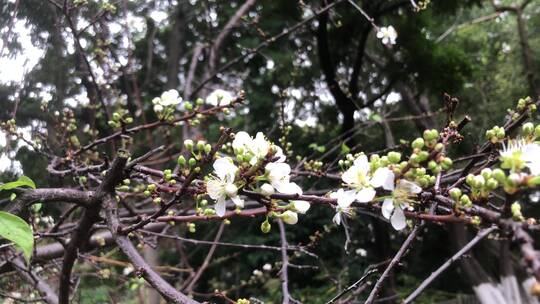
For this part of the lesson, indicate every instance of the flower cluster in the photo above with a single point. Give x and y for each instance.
(259, 165)
(363, 177)
(165, 105)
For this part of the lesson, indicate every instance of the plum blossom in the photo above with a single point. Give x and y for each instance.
(518, 153)
(387, 34)
(257, 147)
(289, 217)
(221, 185)
(358, 177)
(279, 178)
(344, 201)
(220, 97)
(300, 206)
(169, 98)
(392, 207)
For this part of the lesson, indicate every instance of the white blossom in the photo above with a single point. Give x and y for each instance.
(517, 154)
(279, 177)
(392, 208)
(344, 201)
(221, 185)
(219, 97)
(359, 178)
(387, 34)
(300, 206)
(289, 217)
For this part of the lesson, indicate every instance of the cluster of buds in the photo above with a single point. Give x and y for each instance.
(165, 105)
(525, 104)
(313, 165)
(120, 118)
(461, 200)
(495, 134)
(485, 182)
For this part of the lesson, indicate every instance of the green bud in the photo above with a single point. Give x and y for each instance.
(527, 129)
(432, 165)
(394, 157)
(439, 147)
(447, 163)
(455, 193)
(207, 148)
(499, 175)
(418, 143)
(181, 160)
(188, 143)
(157, 200)
(516, 211)
(469, 180)
(192, 162)
(265, 226)
(487, 173)
(423, 181)
(188, 106)
(430, 135)
(423, 156)
(116, 116)
(126, 181)
(533, 182)
(478, 181)
(129, 120)
(465, 201)
(200, 145)
(83, 179)
(203, 203)
(147, 193)
(492, 184)
(199, 101)
(151, 187)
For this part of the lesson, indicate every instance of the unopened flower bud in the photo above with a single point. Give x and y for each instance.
(265, 226)
(267, 189)
(418, 143)
(527, 129)
(455, 193)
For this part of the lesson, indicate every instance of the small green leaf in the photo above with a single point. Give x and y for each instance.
(375, 117)
(21, 182)
(345, 149)
(16, 230)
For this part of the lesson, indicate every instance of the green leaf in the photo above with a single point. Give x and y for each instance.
(21, 182)
(375, 117)
(16, 230)
(345, 149)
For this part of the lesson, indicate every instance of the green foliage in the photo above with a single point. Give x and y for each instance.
(16, 230)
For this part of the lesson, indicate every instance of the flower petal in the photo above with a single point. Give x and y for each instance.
(366, 195)
(239, 202)
(301, 206)
(387, 208)
(345, 198)
(398, 219)
(241, 140)
(362, 163)
(350, 176)
(286, 187)
(220, 206)
(215, 188)
(225, 168)
(383, 177)
(408, 186)
(337, 218)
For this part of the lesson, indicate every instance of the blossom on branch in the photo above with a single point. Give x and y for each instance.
(221, 186)
(402, 197)
(387, 34)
